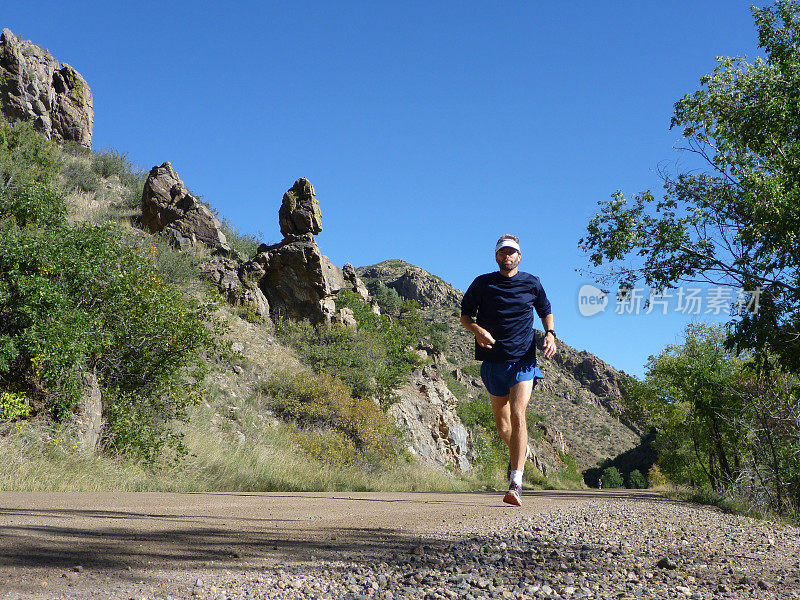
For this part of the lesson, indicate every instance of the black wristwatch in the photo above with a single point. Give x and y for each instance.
(553, 331)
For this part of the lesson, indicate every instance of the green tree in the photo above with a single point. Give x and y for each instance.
(612, 478)
(688, 398)
(636, 480)
(735, 223)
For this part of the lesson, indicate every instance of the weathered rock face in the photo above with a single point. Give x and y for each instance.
(34, 86)
(413, 283)
(297, 279)
(299, 213)
(235, 283)
(427, 409)
(88, 420)
(168, 206)
(355, 282)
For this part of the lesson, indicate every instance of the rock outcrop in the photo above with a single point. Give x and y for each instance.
(236, 284)
(292, 278)
(411, 283)
(299, 212)
(34, 86)
(297, 279)
(167, 205)
(427, 410)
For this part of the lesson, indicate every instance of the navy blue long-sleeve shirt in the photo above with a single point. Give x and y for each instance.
(504, 306)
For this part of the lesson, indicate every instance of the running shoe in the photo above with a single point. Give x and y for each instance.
(514, 495)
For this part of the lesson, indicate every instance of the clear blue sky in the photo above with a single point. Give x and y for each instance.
(427, 128)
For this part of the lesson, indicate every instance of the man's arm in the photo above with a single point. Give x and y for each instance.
(549, 344)
(484, 338)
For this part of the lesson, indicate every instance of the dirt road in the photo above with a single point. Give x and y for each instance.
(141, 544)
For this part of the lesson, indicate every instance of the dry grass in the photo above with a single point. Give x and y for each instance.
(36, 460)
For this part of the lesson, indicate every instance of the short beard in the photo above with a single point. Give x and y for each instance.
(503, 268)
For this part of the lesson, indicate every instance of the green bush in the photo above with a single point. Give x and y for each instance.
(31, 203)
(388, 300)
(244, 244)
(322, 401)
(612, 478)
(176, 266)
(636, 480)
(373, 360)
(80, 177)
(112, 162)
(78, 299)
(132, 195)
(13, 406)
(26, 156)
(491, 451)
(472, 370)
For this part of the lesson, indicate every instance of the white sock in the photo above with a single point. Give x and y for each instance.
(516, 477)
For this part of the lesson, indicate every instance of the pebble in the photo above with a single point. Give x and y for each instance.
(605, 550)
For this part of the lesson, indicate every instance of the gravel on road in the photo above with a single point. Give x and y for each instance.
(603, 546)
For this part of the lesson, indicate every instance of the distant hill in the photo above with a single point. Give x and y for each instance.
(579, 395)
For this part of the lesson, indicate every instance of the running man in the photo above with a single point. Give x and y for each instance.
(498, 309)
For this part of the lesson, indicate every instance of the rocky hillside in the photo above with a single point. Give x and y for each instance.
(439, 301)
(294, 280)
(578, 399)
(36, 87)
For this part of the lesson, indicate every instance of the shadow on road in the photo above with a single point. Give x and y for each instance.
(107, 539)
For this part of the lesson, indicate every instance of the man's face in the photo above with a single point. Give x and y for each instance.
(507, 259)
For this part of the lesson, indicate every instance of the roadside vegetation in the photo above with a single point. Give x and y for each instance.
(86, 296)
(725, 403)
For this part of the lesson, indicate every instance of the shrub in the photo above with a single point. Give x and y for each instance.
(13, 406)
(80, 177)
(373, 360)
(637, 481)
(491, 451)
(655, 478)
(388, 299)
(472, 370)
(26, 156)
(78, 299)
(112, 162)
(612, 478)
(322, 401)
(132, 196)
(244, 244)
(176, 266)
(249, 314)
(32, 203)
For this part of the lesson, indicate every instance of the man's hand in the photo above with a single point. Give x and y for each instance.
(549, 345)
(484, 338)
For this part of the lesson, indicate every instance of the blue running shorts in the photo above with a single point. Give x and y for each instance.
(499, 377)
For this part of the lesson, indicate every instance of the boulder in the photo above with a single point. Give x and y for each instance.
(88, 419)
(354, 281)
(34, 86)
(167, 205)
(427, 410)
(297, 279)
(299, 212)
(417, 284)
(235, 284)
(346, 317)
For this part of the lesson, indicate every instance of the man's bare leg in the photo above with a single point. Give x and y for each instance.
(510, 419)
